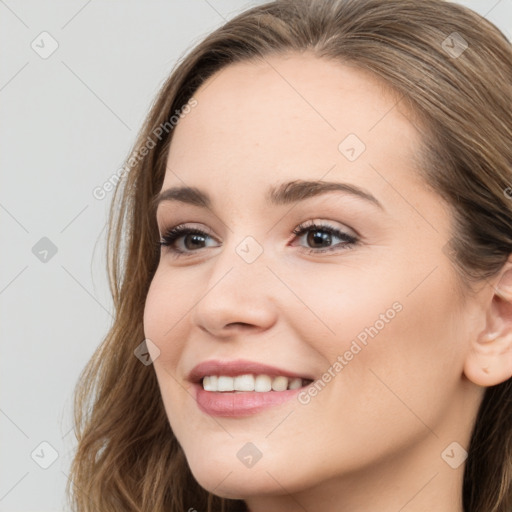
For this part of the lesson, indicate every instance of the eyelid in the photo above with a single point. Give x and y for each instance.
(164, 227)
(348, 241)
(186, 225)
(326, 222)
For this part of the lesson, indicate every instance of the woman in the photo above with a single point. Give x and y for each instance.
(312, 245)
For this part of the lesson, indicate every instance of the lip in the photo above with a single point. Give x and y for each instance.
(242, 403)
(239, 403)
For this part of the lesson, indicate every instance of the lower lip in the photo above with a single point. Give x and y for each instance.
(245, 403)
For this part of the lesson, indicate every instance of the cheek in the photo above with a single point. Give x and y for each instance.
(410, 337)
(345, 311)
(162, 314)
(402, 358)
(162, 326)
(153, 313)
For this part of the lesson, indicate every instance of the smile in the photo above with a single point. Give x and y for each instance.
(249, 382)
(242, 388)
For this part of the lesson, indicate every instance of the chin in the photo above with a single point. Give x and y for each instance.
(229, 478)
(238, 485)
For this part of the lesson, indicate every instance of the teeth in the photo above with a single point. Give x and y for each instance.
(279, 383)
(206, 384)
(225, 384)
(262, 383)
(244, 383)
(295, 384)
(248, 382)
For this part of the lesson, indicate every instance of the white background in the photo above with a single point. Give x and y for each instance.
(67, 123)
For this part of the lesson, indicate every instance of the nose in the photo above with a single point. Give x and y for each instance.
(238, 297)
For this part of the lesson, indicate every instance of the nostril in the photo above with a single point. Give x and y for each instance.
(241, 324)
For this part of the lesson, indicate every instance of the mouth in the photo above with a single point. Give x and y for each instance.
(249, 382)
(242, 388)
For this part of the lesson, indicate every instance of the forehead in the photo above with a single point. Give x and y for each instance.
(290, 117)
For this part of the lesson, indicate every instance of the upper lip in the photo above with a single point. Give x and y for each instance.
(239, 367)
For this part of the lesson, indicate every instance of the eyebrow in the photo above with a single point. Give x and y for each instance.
(283, 194)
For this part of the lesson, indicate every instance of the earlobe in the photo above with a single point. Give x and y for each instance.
(489, 360)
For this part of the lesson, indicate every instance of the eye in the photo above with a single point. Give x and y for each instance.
(320, 236)
(190, 238)
(182, 240)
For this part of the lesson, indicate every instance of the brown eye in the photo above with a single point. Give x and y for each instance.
(320, 237)
(192, 238)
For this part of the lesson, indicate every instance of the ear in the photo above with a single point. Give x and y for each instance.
(489, 360)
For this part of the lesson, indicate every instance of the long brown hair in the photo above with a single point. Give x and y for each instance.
(454, 70)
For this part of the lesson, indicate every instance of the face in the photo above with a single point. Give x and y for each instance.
(346, 291)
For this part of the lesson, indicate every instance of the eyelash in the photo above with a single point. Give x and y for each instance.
(171, 235)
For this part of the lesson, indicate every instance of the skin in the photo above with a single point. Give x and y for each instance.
(373, 437)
